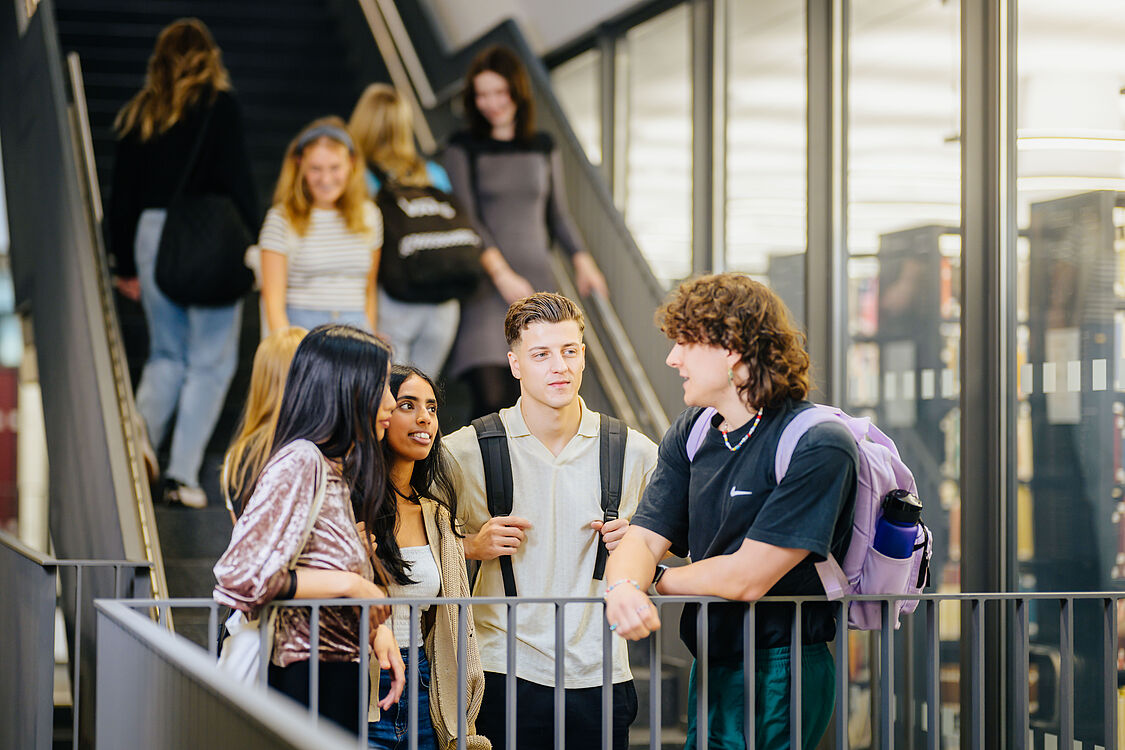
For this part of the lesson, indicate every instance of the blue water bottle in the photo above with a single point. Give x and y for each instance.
(896, 531)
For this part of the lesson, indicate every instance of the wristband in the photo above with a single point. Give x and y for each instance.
(615, 584)
(660, 571)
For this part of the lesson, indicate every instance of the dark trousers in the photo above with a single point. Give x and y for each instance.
(535, 714)
(338, 695)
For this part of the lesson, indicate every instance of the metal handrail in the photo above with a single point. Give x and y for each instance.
(407, 53)
(126, 405)
(381, 31)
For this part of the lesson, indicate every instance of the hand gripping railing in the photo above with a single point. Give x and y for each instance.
(894, 705)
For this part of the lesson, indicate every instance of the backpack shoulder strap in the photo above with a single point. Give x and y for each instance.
(794, 431)
(612, 434)
(699, 432)
(493, 441)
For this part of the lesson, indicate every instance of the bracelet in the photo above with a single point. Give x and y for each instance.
(615, 584)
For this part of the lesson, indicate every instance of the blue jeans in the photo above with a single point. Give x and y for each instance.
(420, 333)
(193, 353)
(390, 732)
(310, 319)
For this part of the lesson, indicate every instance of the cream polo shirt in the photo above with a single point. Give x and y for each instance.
(560, 495)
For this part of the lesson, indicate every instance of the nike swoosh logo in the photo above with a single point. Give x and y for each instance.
(735, 492)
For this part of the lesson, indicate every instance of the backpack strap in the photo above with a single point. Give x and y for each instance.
(699, 431)
(831, 574)
(493, 441)
(612, 434)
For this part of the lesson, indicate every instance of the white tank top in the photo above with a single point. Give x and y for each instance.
(424, 570)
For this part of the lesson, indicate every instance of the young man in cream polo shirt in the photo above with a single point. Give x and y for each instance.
(551, 535)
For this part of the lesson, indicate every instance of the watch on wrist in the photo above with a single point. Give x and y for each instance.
(660, 571)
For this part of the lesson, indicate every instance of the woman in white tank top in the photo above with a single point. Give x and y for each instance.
(422, 557)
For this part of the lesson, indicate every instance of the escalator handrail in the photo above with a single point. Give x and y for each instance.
(123, 389)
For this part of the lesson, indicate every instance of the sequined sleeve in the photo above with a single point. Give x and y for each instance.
(253, 570)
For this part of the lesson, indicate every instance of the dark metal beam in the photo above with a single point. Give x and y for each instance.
(826, 256)
(702, 138)
(987, 333)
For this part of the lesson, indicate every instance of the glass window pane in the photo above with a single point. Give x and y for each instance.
(654, 140)
(1070, 316)
(766, 137)
(904, 255)
(576, 84)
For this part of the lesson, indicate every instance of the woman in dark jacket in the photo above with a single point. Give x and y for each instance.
(510, 176)
(193, 351)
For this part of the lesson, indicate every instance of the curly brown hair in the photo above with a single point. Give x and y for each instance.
(735, 312)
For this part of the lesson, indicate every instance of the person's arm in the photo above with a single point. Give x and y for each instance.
(746, 575)
(314, 583)
(588, 277)
(275, 281)
(122, 215)
(371, 292)
(500, 535)
(628, 573)
(231, 160)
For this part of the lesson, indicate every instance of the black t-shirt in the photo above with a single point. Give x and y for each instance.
(709, 506)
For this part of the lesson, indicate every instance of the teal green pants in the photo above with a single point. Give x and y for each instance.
(726, 694)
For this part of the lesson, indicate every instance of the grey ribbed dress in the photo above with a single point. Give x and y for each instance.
(515, 193)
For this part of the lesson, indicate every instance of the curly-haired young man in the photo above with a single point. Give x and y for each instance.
(747, 535)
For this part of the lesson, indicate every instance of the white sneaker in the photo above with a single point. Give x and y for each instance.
(191, 497)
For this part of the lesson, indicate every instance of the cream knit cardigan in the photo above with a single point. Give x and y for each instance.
(441, 641)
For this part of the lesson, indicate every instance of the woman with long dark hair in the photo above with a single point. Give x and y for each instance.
(421, 551)
(185, 106)
(509, 175)
(334, 411)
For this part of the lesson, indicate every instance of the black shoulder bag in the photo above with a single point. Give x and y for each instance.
(200, 260)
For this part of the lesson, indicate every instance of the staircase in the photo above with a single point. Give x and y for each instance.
(289, 65)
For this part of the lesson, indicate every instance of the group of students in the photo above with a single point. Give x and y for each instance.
(341, 465)
(405, 507)
(319, 248)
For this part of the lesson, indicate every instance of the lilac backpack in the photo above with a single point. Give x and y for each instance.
(864, 570)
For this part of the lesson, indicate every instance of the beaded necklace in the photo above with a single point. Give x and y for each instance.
(726, 442)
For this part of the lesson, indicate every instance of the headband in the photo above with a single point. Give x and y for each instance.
(337, 134)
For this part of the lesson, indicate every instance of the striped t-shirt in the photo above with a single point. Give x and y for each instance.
(328, 266)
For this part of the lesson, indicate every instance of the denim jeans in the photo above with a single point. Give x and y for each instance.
(391, 731)
(421, 334)
(310, 319)
(193, 353)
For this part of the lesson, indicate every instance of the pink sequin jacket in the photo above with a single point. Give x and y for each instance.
(254, 569)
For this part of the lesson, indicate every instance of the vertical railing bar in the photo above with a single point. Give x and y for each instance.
(560, 676)
(842, 676)
(907, 680)
(933, 676)
(213, 629)
(886, 676)
(702, 658)
(314, 663)
(510, 680)
(413, 683)
(162, 614)
(364, 673)
(265, 625)
(462, 674)
(1066, 672)
(655, 685)
(116, 581)
(1109, 665)
(607, 682)
(796, 641)
(1021, 718)
(76, 652)
(976, 674)
(749, 678)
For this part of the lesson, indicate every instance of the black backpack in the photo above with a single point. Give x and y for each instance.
(493, 440)
(431, 252)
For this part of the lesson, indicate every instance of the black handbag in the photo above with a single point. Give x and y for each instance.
(200, 259)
